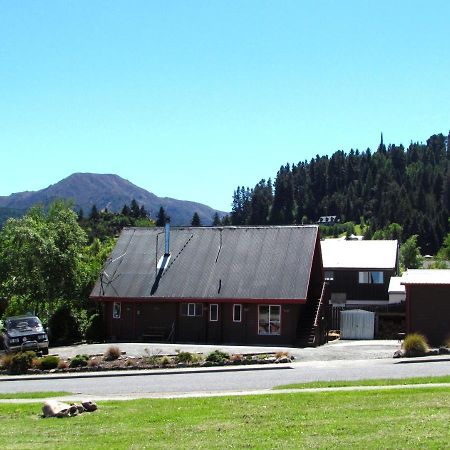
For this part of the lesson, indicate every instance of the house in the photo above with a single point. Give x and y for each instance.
(359, 272)
(428, 303)
(328, 220)
(237, 285)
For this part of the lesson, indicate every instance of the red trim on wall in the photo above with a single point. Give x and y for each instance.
(264, 301)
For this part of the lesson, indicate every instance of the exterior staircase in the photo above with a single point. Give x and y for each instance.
(312, 326)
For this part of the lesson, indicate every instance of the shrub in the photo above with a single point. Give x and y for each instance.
(21, 362)
(217, 356)
(63, 364)
(5, 361)
(79, 361)
(93, 362)
(415, 344)
(165, 361)
(112, 353)
(48, 362)
(184, 357)
(63, 328)
(95, 330)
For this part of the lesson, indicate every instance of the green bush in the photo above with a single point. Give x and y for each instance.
(95, 329)
(21, 362)
(49, 362)
(217, 356)
(415, 344)
(112, 353)
(79, 361)
(184, 357)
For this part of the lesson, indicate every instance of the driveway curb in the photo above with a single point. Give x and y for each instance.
(148, 372)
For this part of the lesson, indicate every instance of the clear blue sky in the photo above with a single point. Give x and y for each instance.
(189, 99)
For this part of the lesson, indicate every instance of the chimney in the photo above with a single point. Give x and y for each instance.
(167, 237)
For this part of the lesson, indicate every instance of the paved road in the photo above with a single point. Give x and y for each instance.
(165, 383)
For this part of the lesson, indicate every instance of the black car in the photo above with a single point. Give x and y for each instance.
(23, 333)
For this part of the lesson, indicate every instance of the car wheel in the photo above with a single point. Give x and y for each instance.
(45, 351)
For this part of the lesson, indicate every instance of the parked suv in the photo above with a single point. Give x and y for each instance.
(23, 333)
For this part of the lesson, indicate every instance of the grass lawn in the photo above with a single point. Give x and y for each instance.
(35, 394)
(388, 419)
(380, 382)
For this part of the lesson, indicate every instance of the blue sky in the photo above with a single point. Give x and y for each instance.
(190, 99)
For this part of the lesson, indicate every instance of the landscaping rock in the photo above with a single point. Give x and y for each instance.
(283, 359)
(53, 408)
(433, 352)
(444, 351)
(398, 354)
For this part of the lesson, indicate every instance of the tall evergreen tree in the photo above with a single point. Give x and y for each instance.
(161, 218)
(195, 222)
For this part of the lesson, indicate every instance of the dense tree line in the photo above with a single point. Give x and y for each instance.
(107, 224)
(392, 185)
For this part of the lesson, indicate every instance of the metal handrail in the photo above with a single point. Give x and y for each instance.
(319, 305)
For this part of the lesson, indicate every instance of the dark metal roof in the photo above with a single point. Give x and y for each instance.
(214, 263)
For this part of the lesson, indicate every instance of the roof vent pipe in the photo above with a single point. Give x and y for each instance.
(167, 238)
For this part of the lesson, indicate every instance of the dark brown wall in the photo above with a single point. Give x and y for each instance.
(428, 312)
(136, 318)
(347, 281)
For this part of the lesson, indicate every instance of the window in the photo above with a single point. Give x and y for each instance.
(213, 312)
(370, 277)
(192, 309)
(237, 313)
(117, 308)
(269, 319)
(329, 275)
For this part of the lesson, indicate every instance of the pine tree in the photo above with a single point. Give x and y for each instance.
(161, 219)
(216, 220)
(195, 222)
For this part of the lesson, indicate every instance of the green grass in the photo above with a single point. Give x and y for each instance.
(380, 382)
(35, 395)
(388, 419)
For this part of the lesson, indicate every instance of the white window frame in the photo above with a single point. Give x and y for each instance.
(270, 321)
(213, 306)
(240, 312)
(117, 310)
(366, 277)
(192, 309)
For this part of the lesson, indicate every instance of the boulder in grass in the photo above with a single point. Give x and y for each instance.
(53, 408)
(89, 406)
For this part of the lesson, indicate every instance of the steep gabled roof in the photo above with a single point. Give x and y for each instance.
(344, 254)
(213, 263)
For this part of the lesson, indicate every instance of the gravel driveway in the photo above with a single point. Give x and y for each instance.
(335, 350)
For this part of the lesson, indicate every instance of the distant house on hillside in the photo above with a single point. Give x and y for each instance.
(328, 220)
(428, 303)
(237, 285)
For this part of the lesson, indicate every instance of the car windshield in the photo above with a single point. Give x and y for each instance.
(24, 323)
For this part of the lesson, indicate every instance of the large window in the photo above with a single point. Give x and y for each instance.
(269, 320)
(192, 309)
(370, 277)
(213, 312)
(237, 313)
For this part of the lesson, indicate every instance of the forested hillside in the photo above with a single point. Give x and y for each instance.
(409, 186)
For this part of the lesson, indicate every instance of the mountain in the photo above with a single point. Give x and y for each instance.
(108, 191)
